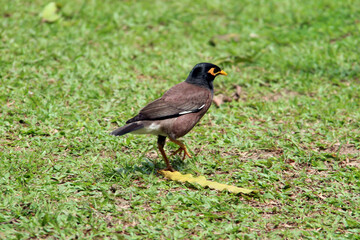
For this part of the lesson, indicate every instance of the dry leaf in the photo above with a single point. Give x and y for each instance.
(220, 99)
(238, 90)
(236, 94)
(226, 98)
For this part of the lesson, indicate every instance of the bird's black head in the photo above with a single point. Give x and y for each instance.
(203, 74)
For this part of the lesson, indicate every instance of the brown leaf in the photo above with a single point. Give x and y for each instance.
(227, 99)
(218, 100)
(238, 90)
(236, 94)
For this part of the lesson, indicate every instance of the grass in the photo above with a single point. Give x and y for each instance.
(293, 134)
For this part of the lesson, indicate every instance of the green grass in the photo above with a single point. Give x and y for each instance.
(293, 134)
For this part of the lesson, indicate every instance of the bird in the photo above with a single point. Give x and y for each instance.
(175, 113)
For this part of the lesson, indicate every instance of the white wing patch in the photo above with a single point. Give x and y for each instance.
(186, 112)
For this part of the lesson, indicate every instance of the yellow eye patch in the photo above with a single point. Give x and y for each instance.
(221, 72)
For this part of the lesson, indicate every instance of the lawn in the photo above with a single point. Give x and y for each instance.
(289, 125)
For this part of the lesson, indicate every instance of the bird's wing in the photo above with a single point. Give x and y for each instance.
(181, 99)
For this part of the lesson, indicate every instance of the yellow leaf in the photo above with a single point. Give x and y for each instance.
(177, 176)
(49, 13)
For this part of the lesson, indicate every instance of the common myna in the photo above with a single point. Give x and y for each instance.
(177, 111)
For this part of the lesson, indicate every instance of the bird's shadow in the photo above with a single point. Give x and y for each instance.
(148, 166)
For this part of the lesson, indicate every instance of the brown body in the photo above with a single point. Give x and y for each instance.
(177, 111)
(178, 126)
(183, 124)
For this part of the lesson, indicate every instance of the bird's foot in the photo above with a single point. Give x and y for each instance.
(186, 153)
(169, 168)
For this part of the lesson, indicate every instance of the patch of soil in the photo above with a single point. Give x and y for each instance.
(278, 95)
(349, 150)
(342, 149)
(253, 154)
(265, 153)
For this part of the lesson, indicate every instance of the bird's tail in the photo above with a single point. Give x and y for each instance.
(127, 128)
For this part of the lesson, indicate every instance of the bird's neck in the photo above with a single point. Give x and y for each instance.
(201, 83)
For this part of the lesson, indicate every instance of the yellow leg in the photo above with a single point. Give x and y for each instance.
(181, 148)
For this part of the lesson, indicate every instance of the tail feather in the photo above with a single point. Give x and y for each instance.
(127, 128)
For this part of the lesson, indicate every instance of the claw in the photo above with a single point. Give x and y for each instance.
(186, 153)
(161, 143)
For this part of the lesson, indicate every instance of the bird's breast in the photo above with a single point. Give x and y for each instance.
(183, 124)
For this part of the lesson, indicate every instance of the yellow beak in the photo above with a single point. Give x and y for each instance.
(222, 72)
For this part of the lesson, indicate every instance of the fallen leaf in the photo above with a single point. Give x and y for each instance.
(177, 176)
(227, 99)
(236, 94)
(220, 99)
(50, 13)
(238, 90)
